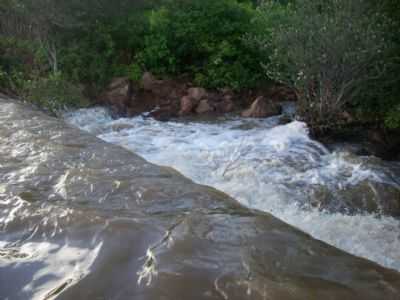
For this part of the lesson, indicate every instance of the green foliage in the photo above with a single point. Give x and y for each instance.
(3, 78)
(135, 72)
(19, 60)
(337, 54)
(24, 71)
(328, 51)
(105, 49)
(205, 39)
(88, 58)
(380, 99)
(53, 93)
(392, 119)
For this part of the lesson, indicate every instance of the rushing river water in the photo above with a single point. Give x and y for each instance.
(83, 219)
(347, 201)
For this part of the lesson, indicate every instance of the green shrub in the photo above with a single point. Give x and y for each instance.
(205, 39)
(105, 48)
(3, 78)
(54, 94)
(381, 97)
(19, 60)
(328, 50)
(392, 119)
(88, 57)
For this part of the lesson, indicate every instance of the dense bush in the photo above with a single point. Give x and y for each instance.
(87, 42)
(205, 39)
(54, 93)
(104, 49)
(89, 55)
(202, 39)
(381, 98)
(329, 51)
(23, 71)
(19, 61)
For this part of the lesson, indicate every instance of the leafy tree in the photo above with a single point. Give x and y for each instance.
(328, 50)
(203, 38)
(381, 99)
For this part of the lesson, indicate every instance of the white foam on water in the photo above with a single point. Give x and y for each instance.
(264, 166)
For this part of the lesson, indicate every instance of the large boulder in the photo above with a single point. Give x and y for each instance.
(192, 99)
(118, 94)
(197, 93)
(187, 105)
(204, 107)
(262, 108)
(160, 89)
(148, 81)
(225, 106)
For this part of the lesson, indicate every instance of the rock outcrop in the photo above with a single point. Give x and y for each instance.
(166, 99)
(225, 106)
(118, 95)
(197, 93)
(204, 106)
(262, 108)
(194, 101)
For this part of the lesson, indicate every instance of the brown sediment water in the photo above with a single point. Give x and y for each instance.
(348, 201)
(84, 219)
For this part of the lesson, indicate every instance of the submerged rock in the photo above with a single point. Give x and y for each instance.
(371, 197)
(106, 224)
(365, 197)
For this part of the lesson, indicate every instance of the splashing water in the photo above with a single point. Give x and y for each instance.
(278, 169)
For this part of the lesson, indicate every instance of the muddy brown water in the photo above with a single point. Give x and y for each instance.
(83, 219)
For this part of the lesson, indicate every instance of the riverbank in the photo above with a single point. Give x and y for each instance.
(169, 99)
(83, 51)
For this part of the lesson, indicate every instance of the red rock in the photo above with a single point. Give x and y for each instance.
(187, 105)
(261, 108)
(225, 106)
(148, 81)
(204, 107)
(197, 93)
(118, 94)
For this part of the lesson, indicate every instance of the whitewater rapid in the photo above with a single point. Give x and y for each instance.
(270, 167)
